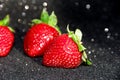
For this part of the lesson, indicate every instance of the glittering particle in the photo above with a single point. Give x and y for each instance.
(1, 6)
(92, 40)
(23, 14)
(76, 3)
(19, 20)
(23, 30)
(89, 52)
(88, 6)
(116, 34)
(18, 59)
(45, 4)
(94, 56)
(35, 7)
(93, 51)
(112, 52)
(100, 49)
(33, 1)
(20, 3)
(106, 29)
(26, 64)
(32, 70)
(26, 7)
(109, 48)
(108, 36)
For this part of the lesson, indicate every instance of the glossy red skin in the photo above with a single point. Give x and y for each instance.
(38, 38)
(63, 53)
(6, 41)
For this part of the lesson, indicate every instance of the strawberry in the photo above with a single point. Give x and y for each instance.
(66, 51)
(6, 37)
(41, 34)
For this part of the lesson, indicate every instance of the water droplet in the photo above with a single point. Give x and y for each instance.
(106, 29)
(88, 6)
(45, 4)
(26, 7)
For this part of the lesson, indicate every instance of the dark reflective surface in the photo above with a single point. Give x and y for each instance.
(99, 21)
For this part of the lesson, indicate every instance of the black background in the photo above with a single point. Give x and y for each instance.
(102, 46)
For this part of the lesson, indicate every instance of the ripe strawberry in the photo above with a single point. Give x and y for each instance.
(6, 37)
(41, 34)
(66, 51)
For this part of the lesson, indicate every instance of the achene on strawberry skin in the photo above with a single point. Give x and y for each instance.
(6, 36)
(66, 51)
(41, 34)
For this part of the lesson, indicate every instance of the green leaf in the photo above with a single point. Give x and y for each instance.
(11, 29)
(85, 59)
(36, 21)
(5, 21)
(88, 62)
(44, 16)
(52, 19)
(81, 47)
(78, 33)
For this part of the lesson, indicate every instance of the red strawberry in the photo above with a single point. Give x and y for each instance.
(6, 37)
(41, 34)
(66, 51)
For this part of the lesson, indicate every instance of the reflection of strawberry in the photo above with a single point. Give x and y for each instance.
(41, 34)
(66, 51)
(6, 37)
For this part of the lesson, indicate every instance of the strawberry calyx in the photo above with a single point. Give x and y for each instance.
(48, 19)
(77, 37)
(5, 22)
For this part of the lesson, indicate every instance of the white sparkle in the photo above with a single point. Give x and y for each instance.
(88, 6)
(76, 3)
(1, 6)
(19, 20)
(23, 14)
(45, 4)
(89, 52)
(26, 64)
(106, 29)
(108, 36)
(92, 40)
(20, 3)
(26, 7)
